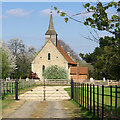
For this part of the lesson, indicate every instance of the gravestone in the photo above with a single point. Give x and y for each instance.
(104, 79)
(27, 79)
(91, 80)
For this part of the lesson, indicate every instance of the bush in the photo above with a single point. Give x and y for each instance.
(55, 72)
(33, 75)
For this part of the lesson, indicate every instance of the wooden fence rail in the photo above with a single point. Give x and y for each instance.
(8, 87)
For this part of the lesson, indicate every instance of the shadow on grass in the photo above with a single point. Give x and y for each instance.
(85, 114)
(107, 111)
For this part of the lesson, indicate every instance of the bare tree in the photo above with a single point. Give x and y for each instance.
(70, 52)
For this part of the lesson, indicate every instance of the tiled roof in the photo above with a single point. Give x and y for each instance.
(50, 32)
(66, 56)
(82, 70)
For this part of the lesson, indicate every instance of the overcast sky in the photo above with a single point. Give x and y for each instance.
(29, 21)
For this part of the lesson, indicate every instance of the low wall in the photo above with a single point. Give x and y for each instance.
(79, 77)
(54, 81)
(99, 82)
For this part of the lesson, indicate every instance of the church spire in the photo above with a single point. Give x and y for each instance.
(51, 33)
(51, 30)
(51, 26)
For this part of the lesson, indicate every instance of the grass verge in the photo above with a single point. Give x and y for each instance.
(78, 111)
(107, 109)
(8, 99)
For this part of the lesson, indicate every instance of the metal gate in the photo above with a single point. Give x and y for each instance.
(45, 90)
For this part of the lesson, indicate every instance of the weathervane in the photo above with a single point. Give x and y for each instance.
(51, 9)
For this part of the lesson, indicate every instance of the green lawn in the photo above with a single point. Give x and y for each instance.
(106, 92)
(106, 98)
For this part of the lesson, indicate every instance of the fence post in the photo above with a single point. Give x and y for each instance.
(93, 99)
(90, 99)
(87, 97)
(111, 99)
(102, 101)
(12, 87)
(83, 95)
(79, 93)
(16, 89)
(4, 88)
(97, 100)
(116, 101)
(7, 87)
(75, 91)
(71, 88)
(0, 89)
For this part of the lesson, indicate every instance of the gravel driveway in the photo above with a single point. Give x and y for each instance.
(35, 107)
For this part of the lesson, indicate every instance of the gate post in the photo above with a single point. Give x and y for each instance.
(44, 90)
(16, 89)
(0, 89)
(71, 88)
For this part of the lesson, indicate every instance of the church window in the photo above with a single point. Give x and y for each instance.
(68, 66)
(43, 68)
(48, 56)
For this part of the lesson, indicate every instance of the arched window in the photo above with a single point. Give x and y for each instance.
(43, 68)
(48, 56)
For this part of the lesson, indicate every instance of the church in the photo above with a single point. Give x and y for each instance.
(53, 54)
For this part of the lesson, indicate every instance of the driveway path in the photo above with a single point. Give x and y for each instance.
(35, 107)
(24, 111)
(55, 110)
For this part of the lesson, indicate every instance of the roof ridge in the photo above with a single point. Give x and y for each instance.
(65, 55)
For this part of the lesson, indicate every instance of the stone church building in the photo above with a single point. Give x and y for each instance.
(53, 54)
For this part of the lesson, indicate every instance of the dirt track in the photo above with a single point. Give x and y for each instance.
(35, 109)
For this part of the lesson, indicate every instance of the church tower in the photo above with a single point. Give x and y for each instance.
(51, 33)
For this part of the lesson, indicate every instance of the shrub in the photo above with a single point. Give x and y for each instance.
(33, 75)
(55, 72)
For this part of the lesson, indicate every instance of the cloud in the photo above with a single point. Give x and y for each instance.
(18, 12)
(3, 17)
(46, 12)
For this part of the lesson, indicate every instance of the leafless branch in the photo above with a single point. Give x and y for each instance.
(96, 34)
(82, 13)
(90, 38)
(96, 39)
(73, 18)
